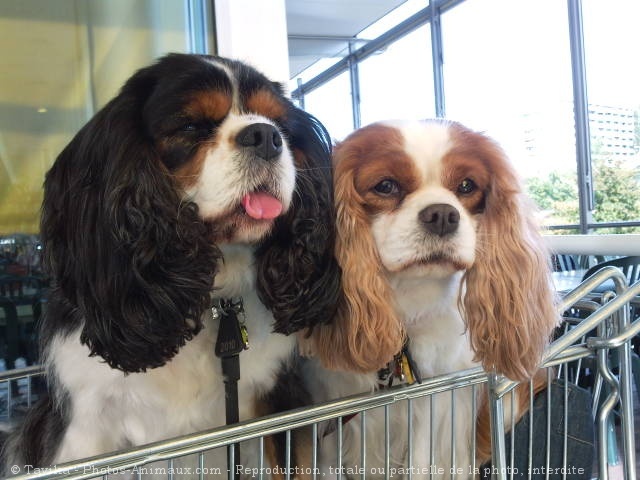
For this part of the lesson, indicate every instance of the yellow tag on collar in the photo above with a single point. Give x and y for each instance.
(245, 336)
(406, 370)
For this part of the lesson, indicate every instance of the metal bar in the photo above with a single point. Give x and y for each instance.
(453, 431)
(261, 458)
(319, 80)
(314, 451)
(603, 414)
(17, 373)
(595, 225)
(587, 286)
(288, 454)
(530, 457)
(623, 296)
(29, 400)
(581, 114)
(264, 426)
(432, 456)
(496, 411)
(354, 80)
(231, 460)
(387, 445)
(300, 97)
(403, 28)
(474, 412)
(548, 442)
(363, 445)
(331, 38)
(613, 224)
(565, 422)
(437, 60)
(576, 352)
(196, 26)
(410, 437)
(339, 448)
(626, 393)
(10, 399)
(512, 424)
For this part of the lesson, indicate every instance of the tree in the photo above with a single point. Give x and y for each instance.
(557, 197)
(616, 187)
(615, 191)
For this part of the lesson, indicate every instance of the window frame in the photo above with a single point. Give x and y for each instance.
(432, 14)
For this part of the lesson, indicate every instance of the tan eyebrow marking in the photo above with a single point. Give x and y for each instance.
(265, 103)
(209, 104)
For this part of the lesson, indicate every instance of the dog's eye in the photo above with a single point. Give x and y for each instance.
(387, 187)
(197, 127)
(467, 186)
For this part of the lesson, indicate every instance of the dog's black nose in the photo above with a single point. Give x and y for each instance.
(440, 219)
(262, 138)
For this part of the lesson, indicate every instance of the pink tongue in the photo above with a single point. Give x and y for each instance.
(260, 205)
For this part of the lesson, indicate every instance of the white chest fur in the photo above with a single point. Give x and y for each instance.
(111, 410)
(439, 345)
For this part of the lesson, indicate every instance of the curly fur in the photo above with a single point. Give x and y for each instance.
(511, 265)
(298, 275)
(367, 331)
(123, 249)
(141, 229)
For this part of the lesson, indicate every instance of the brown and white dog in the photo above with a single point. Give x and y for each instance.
(199, 181)
(438, 245)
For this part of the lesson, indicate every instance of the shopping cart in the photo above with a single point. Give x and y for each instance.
(597, 345)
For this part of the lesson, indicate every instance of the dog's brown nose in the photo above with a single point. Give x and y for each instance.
(263, 139)
(440, 219)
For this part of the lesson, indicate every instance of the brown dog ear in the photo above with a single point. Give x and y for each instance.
(509, 302)
(367, 331)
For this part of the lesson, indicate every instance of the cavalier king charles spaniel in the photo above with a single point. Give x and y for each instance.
(441, 256)
(198, 182)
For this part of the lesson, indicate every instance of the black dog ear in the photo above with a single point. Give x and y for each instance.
(131, 260)
(298, 277)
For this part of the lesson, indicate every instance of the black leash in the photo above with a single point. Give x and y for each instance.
(232, 339)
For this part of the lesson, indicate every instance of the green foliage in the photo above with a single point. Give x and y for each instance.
(616, 192)
(557, 196)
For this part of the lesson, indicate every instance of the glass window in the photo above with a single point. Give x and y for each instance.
(398, 82)
(613, 79)
(331, 104)
(62, 61)
(507, 71)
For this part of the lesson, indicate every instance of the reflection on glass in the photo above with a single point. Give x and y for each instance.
(398, 82)
(62, 61)
(508, 72)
